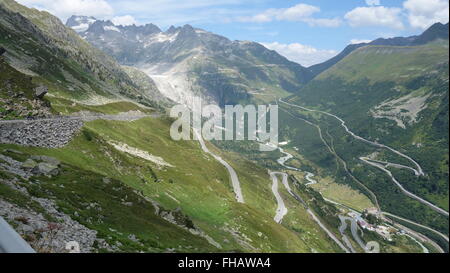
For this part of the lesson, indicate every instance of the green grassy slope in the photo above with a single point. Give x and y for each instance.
(197, 184)
(399, 97)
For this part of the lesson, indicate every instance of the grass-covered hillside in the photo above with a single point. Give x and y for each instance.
(393, 95)
(115, 193)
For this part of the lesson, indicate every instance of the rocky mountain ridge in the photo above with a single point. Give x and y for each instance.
(187, 61)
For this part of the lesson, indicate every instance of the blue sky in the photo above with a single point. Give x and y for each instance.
(305, 31)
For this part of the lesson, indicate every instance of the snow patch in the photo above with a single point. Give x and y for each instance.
(111, 28)
(81, 27)
(161, 38)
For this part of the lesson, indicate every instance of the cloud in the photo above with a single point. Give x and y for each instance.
(359, 41)
(162, 12)
(322, 22)
(125, 20)
(65, 8)
(302, 54)
(175, 12)
(298, 13)
(375, 16)
(424, 13)
(373, 2)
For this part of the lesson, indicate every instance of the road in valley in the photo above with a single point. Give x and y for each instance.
(344, 164)
(343, 124)
(342, 229)
(375, 163)
(233, 176)
(417, 172)
(421, 200)
(281, 209)
(329, 233)
(416, 224)
(353, 228)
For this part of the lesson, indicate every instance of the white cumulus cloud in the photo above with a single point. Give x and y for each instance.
(424, 13)
(303, 54)
(375, 16)
(125, 20)
(65, 8)
(298, 13)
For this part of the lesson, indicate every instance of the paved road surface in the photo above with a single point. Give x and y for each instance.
(233, 176)
(330, 234)
(281, 209)
(421, 200)
(419, 168)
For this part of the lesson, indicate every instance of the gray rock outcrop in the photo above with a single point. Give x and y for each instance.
(40, 91)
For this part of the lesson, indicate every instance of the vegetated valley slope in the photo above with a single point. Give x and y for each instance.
(436, 31)
(397, 96)
(123, 185)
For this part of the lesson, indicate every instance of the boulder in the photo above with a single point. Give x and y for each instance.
(29, 164)
(47, 169)
(46, 159)
(40, 91)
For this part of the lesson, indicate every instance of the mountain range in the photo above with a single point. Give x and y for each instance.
(194, 61)
(436, 31)
(86, 153)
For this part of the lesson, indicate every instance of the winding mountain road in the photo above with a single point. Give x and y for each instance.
(421, 200)
(343, 124)
(233, 176)
(329, 233)
(417, 172)
(281, 210)
(353, 228)
(416, 224)
(342, 229)
(309, 176)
